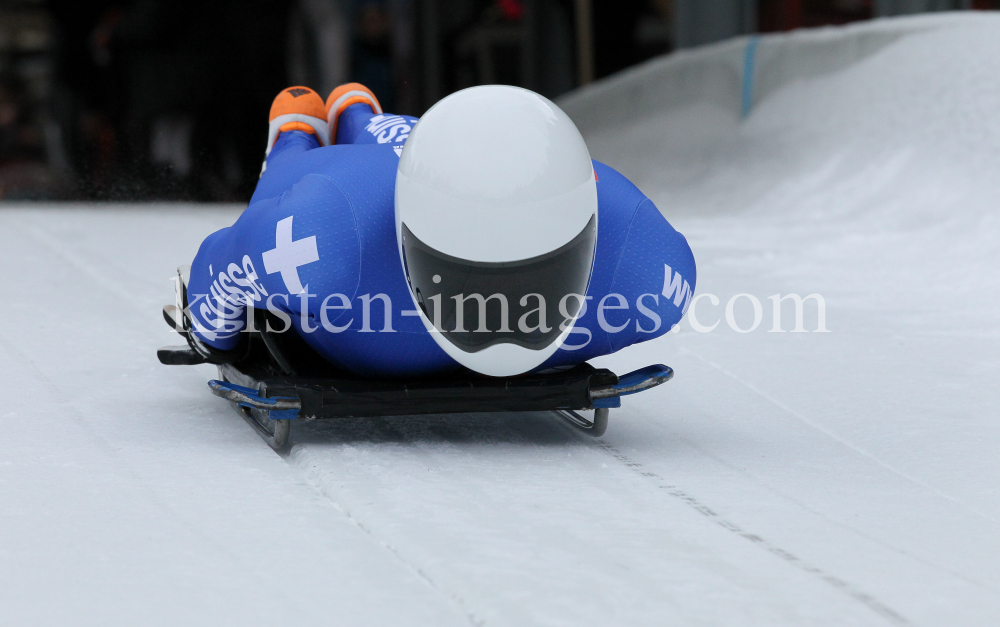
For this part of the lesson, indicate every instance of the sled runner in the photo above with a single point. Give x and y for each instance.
(276, 378)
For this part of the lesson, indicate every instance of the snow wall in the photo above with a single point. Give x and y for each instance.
(727, 127)
(733, 75)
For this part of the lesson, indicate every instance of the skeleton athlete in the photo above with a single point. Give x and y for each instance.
(480, 236)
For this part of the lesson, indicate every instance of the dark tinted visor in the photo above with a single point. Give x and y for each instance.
(477, 304)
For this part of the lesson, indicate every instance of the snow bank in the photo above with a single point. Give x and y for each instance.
(882, 97)
(888, 130)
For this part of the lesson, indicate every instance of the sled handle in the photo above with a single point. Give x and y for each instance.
(249, 396)
(635, 381)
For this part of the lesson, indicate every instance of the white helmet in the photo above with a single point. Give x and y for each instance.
(496, 220)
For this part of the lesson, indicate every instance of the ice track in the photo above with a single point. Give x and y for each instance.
(842, 478)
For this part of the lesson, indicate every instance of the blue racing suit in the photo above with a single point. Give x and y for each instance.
(317, 246)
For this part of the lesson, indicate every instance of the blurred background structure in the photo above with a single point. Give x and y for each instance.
(168, 99)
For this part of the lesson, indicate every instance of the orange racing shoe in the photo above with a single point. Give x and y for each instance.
(344, 96)
(297, 109)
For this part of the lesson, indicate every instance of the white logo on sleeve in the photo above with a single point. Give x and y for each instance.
(390, 128)
(675, 286)
(287, 256)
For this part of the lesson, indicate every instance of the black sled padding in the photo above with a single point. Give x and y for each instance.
(342, 395)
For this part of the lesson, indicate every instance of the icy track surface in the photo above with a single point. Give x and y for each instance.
(841, 478)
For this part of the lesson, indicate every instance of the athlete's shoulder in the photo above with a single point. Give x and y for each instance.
(614, 191)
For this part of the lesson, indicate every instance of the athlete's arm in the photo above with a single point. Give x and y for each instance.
(628, 300)
(656, 277)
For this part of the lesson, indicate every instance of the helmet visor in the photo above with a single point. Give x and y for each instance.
(478, 304)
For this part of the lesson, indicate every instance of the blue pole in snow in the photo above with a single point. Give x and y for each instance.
(748, 74)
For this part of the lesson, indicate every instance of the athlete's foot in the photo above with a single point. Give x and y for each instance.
(343, 97)
(297, 109)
